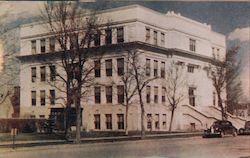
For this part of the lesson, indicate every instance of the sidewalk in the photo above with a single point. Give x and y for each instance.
(32, 143)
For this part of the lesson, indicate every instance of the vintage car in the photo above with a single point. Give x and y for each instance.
(246, 129)
(220, 128)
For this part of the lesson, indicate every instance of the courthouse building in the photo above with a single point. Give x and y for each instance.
(162, 38)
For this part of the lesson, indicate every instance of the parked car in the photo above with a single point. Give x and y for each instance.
(220, 128)
(246, 129)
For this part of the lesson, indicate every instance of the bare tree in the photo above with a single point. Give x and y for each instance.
(128, 80)
(74, 30)
(175, 83)
(9, 67)
(233, 85)
(223, 73)
(141, 77)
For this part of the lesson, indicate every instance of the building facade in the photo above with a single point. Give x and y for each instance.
(162, 38)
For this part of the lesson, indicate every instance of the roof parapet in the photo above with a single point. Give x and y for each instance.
(178, 15)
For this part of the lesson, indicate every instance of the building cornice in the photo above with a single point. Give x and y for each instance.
(117, 48)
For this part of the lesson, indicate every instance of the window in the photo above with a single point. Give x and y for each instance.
(97, 68)
(192, 45)
(52, 43)
(213, 51)
(120, 35)
(163, 97)
(190, 69)
(108, 38)
(52, 72)
(218, 50)
(162, 69)
(33, 46)
(155, 68)
(120, 66)
(120, 92)
(109, 94)
(157, 121)
(52, 97)
(42, 116)
(191, 96)
(218, 54)
(33, 98)
(42, 97)
(97, 39)
(156, 94)
(120, 122)
(148, 89)
(149, 121)
(43, 48)
(33, 116)
(147, 35)
(97, 95)
(155, 37)
(108, 121)
(33, 74)
(97, 121)
(164, 121)
(43, 73)
(214, 98)
(162, 39)
(108, 64)
(148, 69)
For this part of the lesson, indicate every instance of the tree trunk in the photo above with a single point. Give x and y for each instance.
(78, 121)
(223, 115)
(126, 119)
(142, 116)
(65, 123)
(171, 120)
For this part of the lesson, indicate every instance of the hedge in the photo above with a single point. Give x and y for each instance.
(23, 125)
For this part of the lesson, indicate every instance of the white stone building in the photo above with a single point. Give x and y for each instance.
(162, 38)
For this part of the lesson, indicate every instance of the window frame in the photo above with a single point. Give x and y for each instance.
(43, 45)
(42, 97)
(108, 121)
(108, 37)
(109, 69)
(120, 37)
(33, 74)
(97, 94)
(120, 66)
(52, 44)
(52, 72)
(155, 37)
(148, 94)
(156, 67)
(33, 47)
(52, 98)
(147, 35)
(148, 67)
(97, 67)
(120, 94)
(163, 69)
(43, 73)
(33, 98)
(97, 122)
(109, 94)
(192, 45)
(156, 94)
(120, 121)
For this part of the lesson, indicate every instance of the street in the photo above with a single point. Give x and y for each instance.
(194, 147)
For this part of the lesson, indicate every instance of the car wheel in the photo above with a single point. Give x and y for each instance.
(241, 131)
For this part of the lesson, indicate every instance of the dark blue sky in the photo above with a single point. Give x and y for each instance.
(223, 16)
